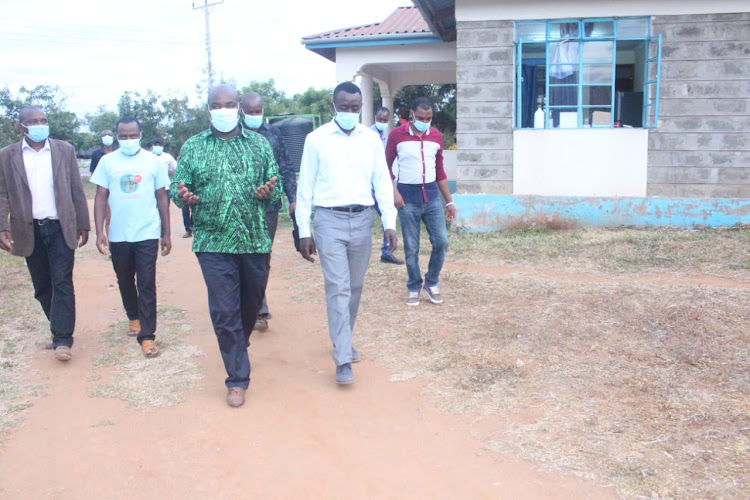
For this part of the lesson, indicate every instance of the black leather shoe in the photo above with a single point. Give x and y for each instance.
(389, 258)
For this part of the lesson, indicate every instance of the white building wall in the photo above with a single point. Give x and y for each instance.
(588, 162)
(486, 10)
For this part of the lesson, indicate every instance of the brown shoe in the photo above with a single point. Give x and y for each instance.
(62, 353)
(134, 327)
(236, 397)
(149, 348)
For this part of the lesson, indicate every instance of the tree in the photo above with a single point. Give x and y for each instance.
(315, 102)
(443, 98)
(63, 124)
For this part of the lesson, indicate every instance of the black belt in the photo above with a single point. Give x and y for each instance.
(350, 209)
(42, 222)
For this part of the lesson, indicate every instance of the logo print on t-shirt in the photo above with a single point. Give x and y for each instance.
(129, 183)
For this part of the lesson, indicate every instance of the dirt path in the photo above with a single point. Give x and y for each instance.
(298, 435)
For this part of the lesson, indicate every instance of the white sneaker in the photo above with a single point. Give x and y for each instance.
(433, 292)
(413, 299)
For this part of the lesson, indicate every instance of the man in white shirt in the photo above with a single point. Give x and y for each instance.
(133, 180)
(342, 163)
(170, 164)
(44, 217)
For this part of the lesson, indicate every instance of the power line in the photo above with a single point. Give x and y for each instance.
(206, 10)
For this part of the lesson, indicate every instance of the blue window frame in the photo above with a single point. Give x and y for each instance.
(581, 73)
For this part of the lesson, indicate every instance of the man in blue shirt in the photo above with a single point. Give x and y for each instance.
(380, 127)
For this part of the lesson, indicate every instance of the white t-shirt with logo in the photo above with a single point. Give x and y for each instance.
(132, 182)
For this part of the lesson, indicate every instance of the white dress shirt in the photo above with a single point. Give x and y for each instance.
(339, 170)
(38, 165)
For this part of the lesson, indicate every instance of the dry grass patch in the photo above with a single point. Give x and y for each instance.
(635, 383)
(24, 328)
(147, 383)
(721, 252)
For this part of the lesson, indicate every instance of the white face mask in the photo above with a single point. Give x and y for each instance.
(225, 119)
(108, 140)
(347, 121)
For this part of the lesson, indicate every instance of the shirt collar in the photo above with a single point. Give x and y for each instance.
(333, 128)
(26, 146)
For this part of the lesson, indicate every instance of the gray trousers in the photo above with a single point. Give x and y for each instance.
(344, 244)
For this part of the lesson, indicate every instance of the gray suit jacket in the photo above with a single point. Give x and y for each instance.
(15, 196)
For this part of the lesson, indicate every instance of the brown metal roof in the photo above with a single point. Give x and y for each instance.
(401, 20)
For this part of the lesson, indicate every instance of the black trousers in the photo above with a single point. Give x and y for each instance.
(187, 219)
(272, 221)
(236, 284)
(51, 269)
(131, 261)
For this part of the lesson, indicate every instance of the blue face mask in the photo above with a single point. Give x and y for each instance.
(254, 121)
(157, 150)
(422, 126)
(347, 121)
(38, 133)
(380, 126)
(108, 140)
(225, 119)
(129, 146)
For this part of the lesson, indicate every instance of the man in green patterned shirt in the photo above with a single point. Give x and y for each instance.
(227, 175)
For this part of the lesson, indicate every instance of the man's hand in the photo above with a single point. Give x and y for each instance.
(391, 239)
(292, 208)
(187, 198)
(307, 249)
(166, 245)
(102, 244)
(398, 200)
(6, 242)
(266, 190)
(450, 212)
(83, 237)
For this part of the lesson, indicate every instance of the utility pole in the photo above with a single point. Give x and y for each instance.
(207, 10)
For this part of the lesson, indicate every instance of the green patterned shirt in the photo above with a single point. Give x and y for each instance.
(224, 174)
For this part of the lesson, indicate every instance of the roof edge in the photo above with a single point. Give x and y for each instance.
(369, 38)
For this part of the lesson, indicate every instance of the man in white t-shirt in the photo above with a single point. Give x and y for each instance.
(133, 181)
(170, 164)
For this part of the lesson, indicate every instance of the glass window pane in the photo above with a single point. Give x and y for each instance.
(597, 73)
(598, 51)
(564, 59)
(568, 119)
(559, 30)
(597, 96)
(632, 28)
(531, 31)
(599, 29)
(563, 96)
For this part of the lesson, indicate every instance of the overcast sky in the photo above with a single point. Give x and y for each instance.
(96, 50)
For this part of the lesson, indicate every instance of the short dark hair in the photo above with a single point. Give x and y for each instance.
(347, 87)
(421, 102)
(128, 119)
(383, 109)
(157, 141)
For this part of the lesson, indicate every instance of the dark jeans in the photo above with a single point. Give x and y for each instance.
(433, 216)
(131, 260)
(51, 269)
(236, 284)
(272, 221)
(187, 219)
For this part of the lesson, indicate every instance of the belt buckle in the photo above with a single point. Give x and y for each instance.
(41, 222)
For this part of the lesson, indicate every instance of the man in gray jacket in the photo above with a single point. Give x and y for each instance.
(44, 218)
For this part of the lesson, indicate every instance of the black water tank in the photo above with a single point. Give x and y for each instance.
(293, 130)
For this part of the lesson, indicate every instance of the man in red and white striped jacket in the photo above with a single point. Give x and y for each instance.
(417, 195)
